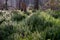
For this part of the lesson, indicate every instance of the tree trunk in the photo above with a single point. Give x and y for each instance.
(36, 4)
(52, 4)
(22, 5)
(6, 5)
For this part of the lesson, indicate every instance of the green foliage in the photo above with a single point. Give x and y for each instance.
(40, 25)
(16, 16)
(55, 14)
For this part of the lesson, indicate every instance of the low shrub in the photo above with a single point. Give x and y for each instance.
(39, 25)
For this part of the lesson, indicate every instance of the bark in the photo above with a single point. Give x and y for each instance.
(36, 4)
(6, 5)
